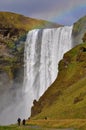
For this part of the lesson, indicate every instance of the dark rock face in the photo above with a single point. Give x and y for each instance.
(84, 38)
(37, 108)
(11, 57)
(79, 31)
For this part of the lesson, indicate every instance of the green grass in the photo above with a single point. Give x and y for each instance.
(64, 107)
(76, 124)
(59, 124)
(18, 128)
(13, 20)
(66, 97)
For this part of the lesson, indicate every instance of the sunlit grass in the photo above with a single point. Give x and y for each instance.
(79, 124)
(75, 124)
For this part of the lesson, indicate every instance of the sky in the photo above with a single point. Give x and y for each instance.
(64, 12)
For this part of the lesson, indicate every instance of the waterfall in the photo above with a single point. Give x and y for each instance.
(43, 51)
(44, 48)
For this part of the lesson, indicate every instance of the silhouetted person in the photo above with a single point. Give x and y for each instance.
(24, 121)
(19, 121)
(28, 118)
(45, 118)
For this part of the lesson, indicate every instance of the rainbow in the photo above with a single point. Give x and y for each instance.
(70, 15)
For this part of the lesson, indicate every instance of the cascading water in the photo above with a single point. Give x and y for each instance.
(44, 48)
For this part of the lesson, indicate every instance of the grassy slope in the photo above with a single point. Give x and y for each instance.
(8, 19)
(66, 98)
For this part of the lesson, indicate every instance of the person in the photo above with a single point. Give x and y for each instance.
(28, 118)
(23, 122)
(45, 118)
(19, 121)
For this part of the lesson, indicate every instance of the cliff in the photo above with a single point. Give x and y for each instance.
(13, 30)
(79, 30)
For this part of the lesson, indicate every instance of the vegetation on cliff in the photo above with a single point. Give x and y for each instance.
(13, 30)
(66, 97)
